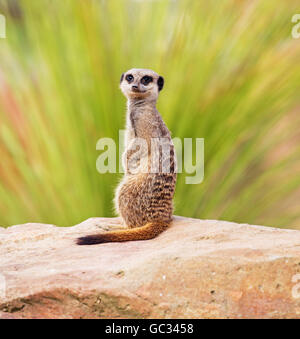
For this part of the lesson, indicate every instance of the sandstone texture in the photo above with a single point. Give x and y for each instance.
(196, 269)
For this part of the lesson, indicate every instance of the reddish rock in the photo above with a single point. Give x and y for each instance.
(196, 269)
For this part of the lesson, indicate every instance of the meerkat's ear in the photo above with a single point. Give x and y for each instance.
(160, 83)
(122, 77)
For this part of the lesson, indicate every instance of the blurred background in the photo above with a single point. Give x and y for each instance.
(232, 76)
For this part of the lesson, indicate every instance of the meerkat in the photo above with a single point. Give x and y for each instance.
(144, 197)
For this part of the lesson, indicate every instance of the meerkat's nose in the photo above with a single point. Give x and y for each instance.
(135, 87)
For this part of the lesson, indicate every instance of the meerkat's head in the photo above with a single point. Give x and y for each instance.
(139, 83)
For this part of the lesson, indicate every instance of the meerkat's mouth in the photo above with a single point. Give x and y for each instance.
(136, 90)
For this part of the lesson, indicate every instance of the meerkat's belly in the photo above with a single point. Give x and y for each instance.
(146, 197)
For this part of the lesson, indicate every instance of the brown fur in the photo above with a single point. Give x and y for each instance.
(149, 231)
(144, 197)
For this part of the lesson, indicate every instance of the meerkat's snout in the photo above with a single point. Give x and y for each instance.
(135, 88)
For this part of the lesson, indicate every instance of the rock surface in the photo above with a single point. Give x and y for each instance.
(196, 269)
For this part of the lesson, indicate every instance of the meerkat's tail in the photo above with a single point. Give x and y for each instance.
(149, 231)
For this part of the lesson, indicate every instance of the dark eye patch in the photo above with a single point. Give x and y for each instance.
(129, 78)
(160, 83)
(146, 80)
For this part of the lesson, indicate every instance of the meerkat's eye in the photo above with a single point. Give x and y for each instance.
(129, 78)
(146, 80)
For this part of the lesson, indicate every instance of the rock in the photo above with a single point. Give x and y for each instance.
(196, 269)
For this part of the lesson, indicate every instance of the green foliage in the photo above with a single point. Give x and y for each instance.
(232, 77)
